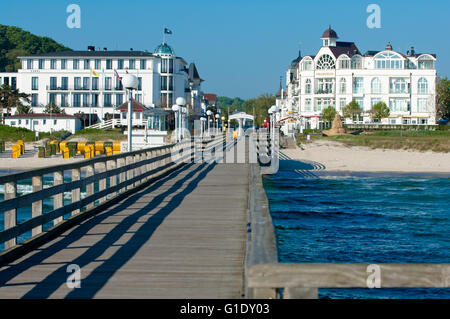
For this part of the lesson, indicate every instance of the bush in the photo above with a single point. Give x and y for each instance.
(12, 134)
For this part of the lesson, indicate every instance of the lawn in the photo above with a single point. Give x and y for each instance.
(437, 141)
(92, 134)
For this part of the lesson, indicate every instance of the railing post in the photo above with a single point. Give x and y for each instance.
(36, 207)
(10, 215)
(58, 199)
(102, 182)
(111, 165)
(76, 193)
(130, 172)
(122, 176)
(90, 171)
(137, 171)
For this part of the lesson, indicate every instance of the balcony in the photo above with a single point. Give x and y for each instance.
(324, 91)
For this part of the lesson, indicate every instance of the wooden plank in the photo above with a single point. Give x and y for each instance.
(76, 193)
(101, 167)
(10, 215)
(348, 275)
(90, 171)
(36, 207)
(58, 199)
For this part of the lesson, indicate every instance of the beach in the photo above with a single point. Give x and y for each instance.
(334, 156)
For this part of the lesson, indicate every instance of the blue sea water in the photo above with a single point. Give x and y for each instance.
(362, 218)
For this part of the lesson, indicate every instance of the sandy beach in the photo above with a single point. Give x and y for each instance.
(334, 156)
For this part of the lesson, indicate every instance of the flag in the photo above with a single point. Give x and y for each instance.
(117, 75)
(167, 31)
(94, 73)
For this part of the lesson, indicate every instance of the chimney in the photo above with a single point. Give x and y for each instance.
(105, 49)
(413, 52)
(91, 48)
(389, 47)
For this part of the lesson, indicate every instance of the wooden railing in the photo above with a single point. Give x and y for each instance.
(124, 171)
(265, 278)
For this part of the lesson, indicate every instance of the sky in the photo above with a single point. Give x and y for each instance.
(240, 47)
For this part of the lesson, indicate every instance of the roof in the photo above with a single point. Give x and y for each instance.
(164, 49)
(330, 33)
(348, 48)
(92, 54)
(135, 107)
(41, 115)
(193, 73)
(210, 97)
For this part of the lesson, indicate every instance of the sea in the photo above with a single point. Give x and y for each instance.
(328, 217)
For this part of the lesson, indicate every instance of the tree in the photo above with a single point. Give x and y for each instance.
(443, 97)
(328, 114)
(10, 98)
(380, 111)
(259, 107)
(352, 110)
(24, 109)
(53, 108)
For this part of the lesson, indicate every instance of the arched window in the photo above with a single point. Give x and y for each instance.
(307, 64)
(342, 86)
(376, 86)
(426, 62)
(344, 62)
(398, 85)
(388, 60)
(356, 62)
(422, 86)
(325, 62)
(308, 86)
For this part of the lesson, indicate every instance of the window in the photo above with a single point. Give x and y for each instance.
(87, 64)
(307, 65)
(76, 100)
(307, 105)
(13, 123)
(358, 85)
(143, 64)
(77, 83)
(398, 105)
(170, 83)
(108, 82)
(85, 83)
(95, 99)
(120, 64)
(34, 83)
(75, 64)
(356, 62)
(308, 86)
(343, 86)
(344, 63)
(426, 62)
(63, 64)
(388, 60)
(20, 122)
(95, 83)
(163, 100)
(342, 103)
(164, 83)
(64, 83)
(53, 83)
(44, 122)
(139, 98)
(140, 83)
(422, 105)
(422, 86)
(119, 85)
(41, 64)
(34, 99)
(376, 86)
(325, 62)
(64, 99)
(323, 103)
(52, 98)
(325, 86)
(164, 66)
(53, 64)
(85, 100)
(374, 101)
(98, 64)
(398, 85)
(109, 64)
(170, 66)
(13, 83)
(132, 64)
(54, 122)
(29, 64)
(360, 102)
(119, 99)
(107, 100)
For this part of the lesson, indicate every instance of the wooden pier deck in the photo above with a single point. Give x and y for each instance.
(183, 236)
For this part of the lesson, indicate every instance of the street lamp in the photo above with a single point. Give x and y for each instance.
(217, 123)
(223, 122)
(176, 111)
(208, 113)
(130, 82)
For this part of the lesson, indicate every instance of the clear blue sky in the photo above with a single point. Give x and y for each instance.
(241, 48)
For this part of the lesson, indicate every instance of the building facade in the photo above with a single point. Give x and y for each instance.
(340, 73)
(88, 81)
(45, 122)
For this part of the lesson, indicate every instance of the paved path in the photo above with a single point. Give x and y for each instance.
(181, 237)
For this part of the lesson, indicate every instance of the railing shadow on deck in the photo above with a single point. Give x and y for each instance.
(266, 278)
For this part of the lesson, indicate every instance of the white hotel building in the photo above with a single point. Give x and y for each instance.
(339, 73)
(66, 79)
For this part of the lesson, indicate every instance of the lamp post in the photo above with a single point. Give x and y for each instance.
(217, 123)
(176, 111)
(130, 82)
(223, 122)
(180, 102)
(208, 113)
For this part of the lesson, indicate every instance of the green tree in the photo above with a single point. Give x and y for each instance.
(443, 97)
(24, 109)
(54, 109)
(259, 107)
(10, 98)
(328, 114)
(352, 110)
(380, 111)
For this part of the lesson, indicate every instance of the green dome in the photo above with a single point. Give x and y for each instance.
(164, 49)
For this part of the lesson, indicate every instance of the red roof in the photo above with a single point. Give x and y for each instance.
(135, 107)
(41, 115)
(210, 97)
